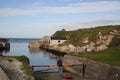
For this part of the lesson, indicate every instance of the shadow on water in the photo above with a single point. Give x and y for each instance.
(34, 50)
(51, 55)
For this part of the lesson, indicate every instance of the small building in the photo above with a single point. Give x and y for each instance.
(57, 40)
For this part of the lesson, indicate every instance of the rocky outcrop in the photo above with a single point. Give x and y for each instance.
(102, 42)
(34, 44)
(12, 70)
(42, 42)
(93, 69)
(4, 44)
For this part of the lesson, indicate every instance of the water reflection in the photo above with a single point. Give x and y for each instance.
(41, 57)
(44, 52)
(34, 50)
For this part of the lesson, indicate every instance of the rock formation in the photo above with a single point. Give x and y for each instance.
(4, 44)
(11, 69)
(42, 42)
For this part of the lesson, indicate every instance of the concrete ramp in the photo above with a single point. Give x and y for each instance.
(56, 76)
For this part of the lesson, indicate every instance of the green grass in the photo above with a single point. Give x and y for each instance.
(109, 56)
(25, 62)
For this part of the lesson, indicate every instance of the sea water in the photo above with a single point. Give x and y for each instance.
(19, 47)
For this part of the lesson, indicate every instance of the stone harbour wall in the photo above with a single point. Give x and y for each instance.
(93, 68)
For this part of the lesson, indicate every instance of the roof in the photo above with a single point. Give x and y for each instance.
(58, 38)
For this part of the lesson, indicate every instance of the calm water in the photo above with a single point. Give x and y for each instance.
(19, 47)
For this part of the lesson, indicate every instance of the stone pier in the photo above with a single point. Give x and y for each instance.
(93, 68)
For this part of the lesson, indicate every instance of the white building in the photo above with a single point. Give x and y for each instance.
(57, 40)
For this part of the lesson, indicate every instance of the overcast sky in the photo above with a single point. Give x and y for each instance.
(38, 18)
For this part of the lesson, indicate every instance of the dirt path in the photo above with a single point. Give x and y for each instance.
(55, 76)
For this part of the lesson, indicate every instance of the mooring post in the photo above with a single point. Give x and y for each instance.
(32, 68)
(84, 67)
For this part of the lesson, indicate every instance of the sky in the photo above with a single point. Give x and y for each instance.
(38, 18)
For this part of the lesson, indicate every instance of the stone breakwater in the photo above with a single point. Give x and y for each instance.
(11, 69)
(93, 68)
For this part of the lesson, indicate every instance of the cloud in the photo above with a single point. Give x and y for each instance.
(37, 4)
(83, 7)
(17, 12)
(65, 0)
(73, 26)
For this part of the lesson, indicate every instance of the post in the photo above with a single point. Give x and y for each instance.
(84, 67)
(32, 68)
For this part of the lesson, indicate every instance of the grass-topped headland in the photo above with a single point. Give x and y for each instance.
(75, 37)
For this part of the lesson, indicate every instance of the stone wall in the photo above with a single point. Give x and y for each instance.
(93, 68)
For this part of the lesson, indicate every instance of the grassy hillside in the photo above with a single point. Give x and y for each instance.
(75, 37)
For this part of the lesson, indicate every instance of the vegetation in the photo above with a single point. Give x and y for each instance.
(76, 37)
(25, 62)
